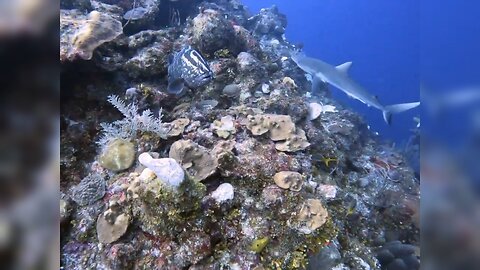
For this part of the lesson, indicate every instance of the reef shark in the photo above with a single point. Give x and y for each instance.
(338, 77)
(447, 101)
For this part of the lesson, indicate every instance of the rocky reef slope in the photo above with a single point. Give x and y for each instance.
(250, 171)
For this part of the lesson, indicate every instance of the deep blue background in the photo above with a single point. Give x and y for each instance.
(380, 37)
(450, 58)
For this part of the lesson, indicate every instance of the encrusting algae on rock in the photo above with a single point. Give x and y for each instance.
(110, 231)
(225, 127)
(177, 127)
(248, 171)
(118, 155)
(161, 210)
(289, 180)
(90, 32)
(313, 214)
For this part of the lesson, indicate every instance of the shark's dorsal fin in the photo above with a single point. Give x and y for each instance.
(344, 67)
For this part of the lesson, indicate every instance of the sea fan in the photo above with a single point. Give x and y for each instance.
(129, 111)
(132, 123)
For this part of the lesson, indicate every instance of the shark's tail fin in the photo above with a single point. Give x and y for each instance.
(397, 108)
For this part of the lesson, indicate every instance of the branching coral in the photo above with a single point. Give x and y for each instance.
(133, 122)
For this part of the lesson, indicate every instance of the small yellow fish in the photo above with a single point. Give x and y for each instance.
(328, 160)
(259, 244)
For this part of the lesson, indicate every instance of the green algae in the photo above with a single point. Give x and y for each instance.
(321, 237)
(223, 53)
(164, 211)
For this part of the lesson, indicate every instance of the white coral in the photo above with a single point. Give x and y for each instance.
(166, 169)
(223, 193)
(133, 122)
(315, 109)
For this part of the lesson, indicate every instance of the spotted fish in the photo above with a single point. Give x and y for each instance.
(187, 68)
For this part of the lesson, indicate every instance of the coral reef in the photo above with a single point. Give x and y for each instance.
(253, 170)
(166, 169)
(142, 13)
(160, 210)
(132, 124)
(109, 228)
(85, 34)
(280, 128)
(315, 109)
(212, 32)
(89, 190)
(225, 127)
(118, 155)
(177, 127)
(151, 54)
(223, 193)
(289, 180)
(195, 159)
(268, 22)
(313, 214)
(231, 90)
(396, 255)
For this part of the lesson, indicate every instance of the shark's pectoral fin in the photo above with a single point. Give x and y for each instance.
(318, 77)
(344, 67)
(387, 117)
(317, 84)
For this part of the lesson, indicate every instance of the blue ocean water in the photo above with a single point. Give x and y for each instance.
(380, 37)
(450, 57)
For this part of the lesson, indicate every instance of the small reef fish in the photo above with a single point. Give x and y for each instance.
(135, 14)
(187, 68)
(338, 77)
